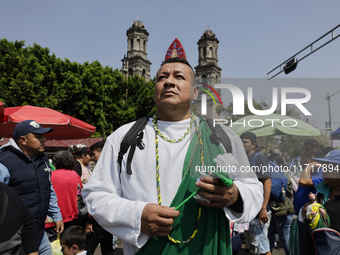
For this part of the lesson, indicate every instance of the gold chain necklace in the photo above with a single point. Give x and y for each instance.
(155, 126)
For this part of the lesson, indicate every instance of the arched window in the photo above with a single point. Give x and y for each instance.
(130, 72)
(138, 44)
(204, 76)
(211, 52)
(144, 73)
(204, 52)
(131, 44)
(144, 46)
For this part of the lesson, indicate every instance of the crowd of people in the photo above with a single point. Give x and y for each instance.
(43, 203)
(313, 184)
(153, 198)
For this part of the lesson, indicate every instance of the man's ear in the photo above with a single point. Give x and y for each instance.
(22, 140)
(196, 92)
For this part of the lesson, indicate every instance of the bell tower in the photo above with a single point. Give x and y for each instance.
(208, 72)
(136, 62)
(207, 57)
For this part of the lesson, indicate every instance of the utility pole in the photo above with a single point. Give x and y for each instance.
(330, 124)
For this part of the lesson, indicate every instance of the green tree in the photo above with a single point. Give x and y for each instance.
(26, 75)
(88, 91)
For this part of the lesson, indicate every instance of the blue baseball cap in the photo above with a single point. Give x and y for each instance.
(29, 126)
(332, 157)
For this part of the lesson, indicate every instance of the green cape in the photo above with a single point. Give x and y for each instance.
(213, 236)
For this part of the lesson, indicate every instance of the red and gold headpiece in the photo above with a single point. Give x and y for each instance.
(175, 50)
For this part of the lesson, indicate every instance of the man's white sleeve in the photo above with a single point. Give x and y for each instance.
(250, 188)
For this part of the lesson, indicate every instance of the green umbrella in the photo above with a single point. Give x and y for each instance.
(273, 124)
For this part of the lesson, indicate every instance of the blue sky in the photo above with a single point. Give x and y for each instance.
(255, 36)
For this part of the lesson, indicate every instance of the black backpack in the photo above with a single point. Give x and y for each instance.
(134, 137)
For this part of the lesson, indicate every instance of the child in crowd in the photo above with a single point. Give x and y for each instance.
(72, 241)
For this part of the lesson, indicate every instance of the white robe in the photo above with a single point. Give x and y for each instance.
(117, 200)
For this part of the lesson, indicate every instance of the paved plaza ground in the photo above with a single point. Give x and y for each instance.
(119, 251)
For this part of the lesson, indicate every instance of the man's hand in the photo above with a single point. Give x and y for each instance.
(89, 229)
(157, 220)
(214, 190)
(306, 175)
(59, 227)
(263, 216)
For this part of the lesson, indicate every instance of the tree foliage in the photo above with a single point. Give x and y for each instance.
(88, 91)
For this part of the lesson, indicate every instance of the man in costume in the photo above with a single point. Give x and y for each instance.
(25, 168)
(142, 208)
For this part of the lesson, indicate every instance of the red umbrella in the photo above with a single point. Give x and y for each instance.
(1, 108)
(64, 126)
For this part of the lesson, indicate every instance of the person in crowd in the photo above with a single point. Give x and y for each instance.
(257, 234)
(72, 241)
(17, 225)
(66, 184)
(282, 214)
(140, 207)
(311, 143)
(96, 150)
(83, 157)
(25, 168)
(95, 233)
(309, 178)
(331, 175)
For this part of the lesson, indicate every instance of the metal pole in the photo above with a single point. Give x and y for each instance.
(330, 116)
(329, 97)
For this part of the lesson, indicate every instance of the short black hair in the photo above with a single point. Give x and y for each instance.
(311, 143)
(63, 160)
(73, 235)
(177, 60)
(98, 146)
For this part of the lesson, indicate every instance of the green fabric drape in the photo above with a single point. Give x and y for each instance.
(213, 236)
